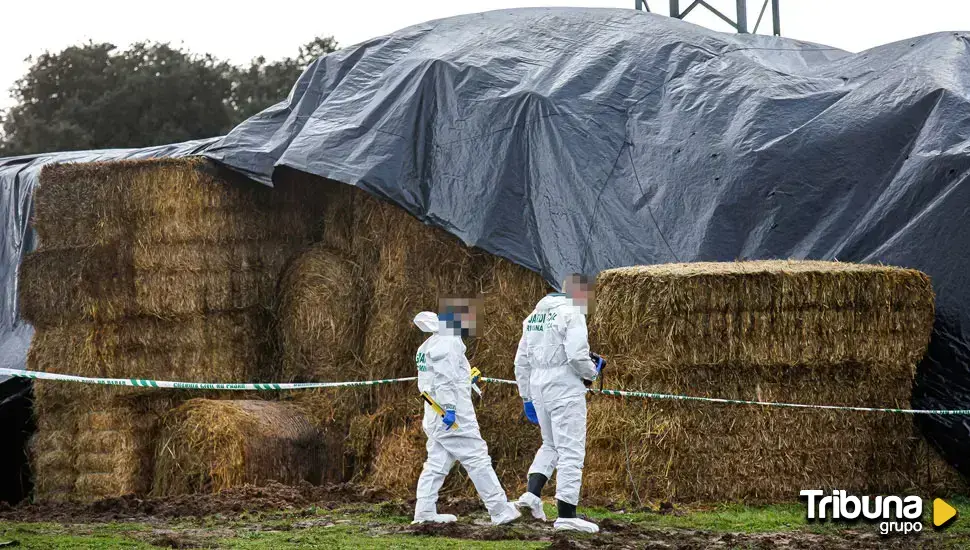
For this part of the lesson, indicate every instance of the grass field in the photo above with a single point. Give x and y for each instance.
(387, 525)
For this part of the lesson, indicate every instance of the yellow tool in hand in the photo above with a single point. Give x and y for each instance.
(437, 408)
(476, 376)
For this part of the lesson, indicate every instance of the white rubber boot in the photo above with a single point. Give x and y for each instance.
(576, 524)
(427, 512)
(434, 518)
(533, 504)
(508, 515)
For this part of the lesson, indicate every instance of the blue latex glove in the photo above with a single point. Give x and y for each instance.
(599, 363)
(449, 418)
(530, 412)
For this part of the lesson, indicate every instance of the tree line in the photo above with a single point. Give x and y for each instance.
(97, 96)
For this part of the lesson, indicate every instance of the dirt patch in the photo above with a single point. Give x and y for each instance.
(176, 540)
(458, 506)
(272, 497)
(452, 530)
(473, 531)
(560, 542)
(678, 539)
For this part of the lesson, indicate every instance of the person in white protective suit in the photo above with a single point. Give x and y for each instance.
(444, 373)
(551, 363)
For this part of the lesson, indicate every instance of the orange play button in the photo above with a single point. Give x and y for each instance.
(942, 512)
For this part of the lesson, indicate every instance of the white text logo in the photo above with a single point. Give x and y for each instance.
(895, 514)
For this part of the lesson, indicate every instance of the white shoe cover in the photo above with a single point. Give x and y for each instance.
(510, 514)
(533, 504)
(576, 524)
(434, 518)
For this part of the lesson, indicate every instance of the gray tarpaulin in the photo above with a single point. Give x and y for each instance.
(583, 139)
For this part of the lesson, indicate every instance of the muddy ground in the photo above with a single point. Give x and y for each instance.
(273, 497)
(197, 521)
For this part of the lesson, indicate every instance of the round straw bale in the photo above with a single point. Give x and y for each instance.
(319, 317)
(331, 412)
(209, 445)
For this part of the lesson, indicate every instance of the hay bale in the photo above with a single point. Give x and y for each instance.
(399, 459)
(108, 283)
(934, 476)
(413, 265)
(209, 445)
(320, 325)
(320, 322)
(510, 293)
(797, 332)
(149, 269)
(51, 452)
(339, 200)
(163, 238)
(113, 430)
(114, 450)
(689, 451)
(227, 347)
(331, 413)
(71, 284)
(765, 313)
(166, 200)
(94, 442)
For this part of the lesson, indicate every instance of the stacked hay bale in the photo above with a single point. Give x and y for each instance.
(320, 332)
(784, 331)
(116, 431)
(51, 447)
(159, 269)
(208, 445)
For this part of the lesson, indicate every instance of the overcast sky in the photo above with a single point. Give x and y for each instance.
(238, 30)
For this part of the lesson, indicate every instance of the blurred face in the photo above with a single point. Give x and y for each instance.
(580, 293)
(469, 321)
(461, 315)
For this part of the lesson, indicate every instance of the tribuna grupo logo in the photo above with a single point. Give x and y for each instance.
(895, 514)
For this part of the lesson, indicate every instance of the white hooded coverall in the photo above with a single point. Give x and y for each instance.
(444, 372)
(550, 365)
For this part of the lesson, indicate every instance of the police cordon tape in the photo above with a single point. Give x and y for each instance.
(648, 395)
(146, 383)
